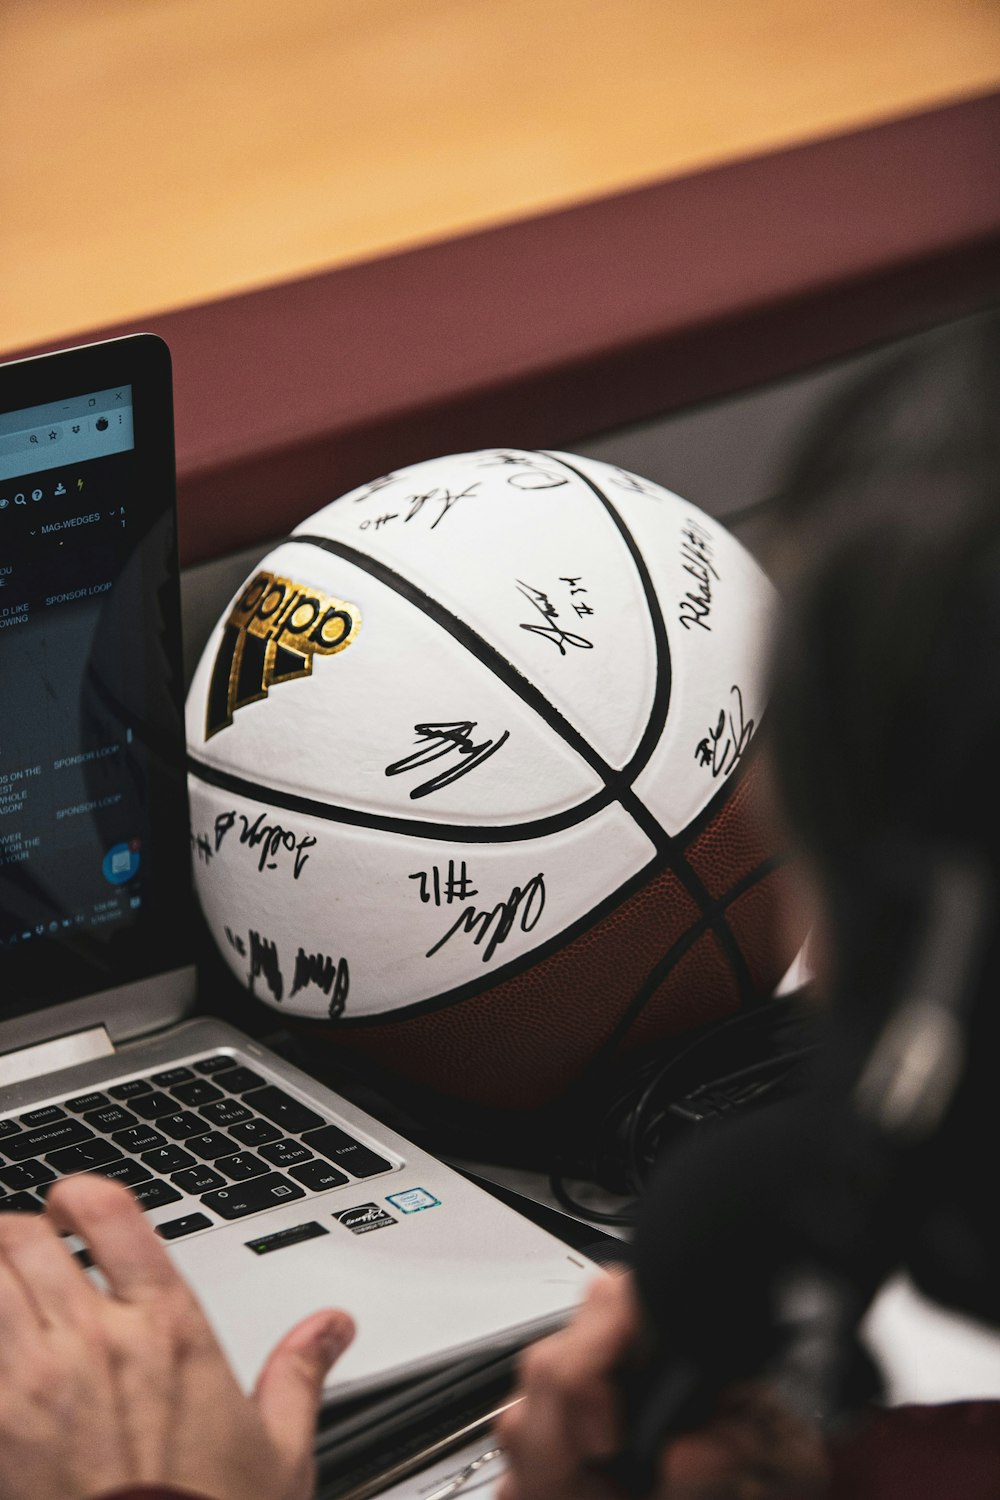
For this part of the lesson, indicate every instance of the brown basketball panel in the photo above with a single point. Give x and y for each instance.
(521, 1043)
(700, 987)
(736, 840)
(769, 923)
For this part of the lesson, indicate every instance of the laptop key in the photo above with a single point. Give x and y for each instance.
(168, 1159)
(197, 1180)
(214, 1064)
(22, 1203)
(43, 1116)
(255, 1132)
(82, 1102)
(242, 1166)
(337, 1146)
(198, 1091)
(239, 1080)
(27, 1175)
(154, 1106)
(226, 1112)
(9, 1127)
(285, 1111)
(112, 1117)
(139, 1138)
(211, 1145)
(126, 1171)
(180, 1127)
(251, 1197)
(37, 1142)
(170, 1076)
(286, 1153)
(318, 1175)
(154, 1194)
(78, 1158)
(130, 1089)
(188, 1224)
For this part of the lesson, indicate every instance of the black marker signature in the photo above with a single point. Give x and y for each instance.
(333, 978)
(373, 487)
(532, 473)
(495, 926)
(551, 631)
(202, 847)
(235, 941)
(630, 481)
(271, 838)
(453, 737)
(442, 888)
(264, 961)
(439, 496)
(696, 554)
(723, 746)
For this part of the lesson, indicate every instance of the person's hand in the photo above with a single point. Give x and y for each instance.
(569, 1423)
(568, 1420)
(129, 1386)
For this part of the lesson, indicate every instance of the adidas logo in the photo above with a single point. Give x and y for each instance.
(271, 635)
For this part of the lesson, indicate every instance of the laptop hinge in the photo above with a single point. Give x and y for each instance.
(60, 1052)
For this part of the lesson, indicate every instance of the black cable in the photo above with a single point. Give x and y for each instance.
(739, 1063)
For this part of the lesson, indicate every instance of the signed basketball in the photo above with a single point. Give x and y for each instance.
(473, 781)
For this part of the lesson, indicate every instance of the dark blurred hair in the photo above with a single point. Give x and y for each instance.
(886, 697)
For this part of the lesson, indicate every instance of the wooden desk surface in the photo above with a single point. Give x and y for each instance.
(159, 153)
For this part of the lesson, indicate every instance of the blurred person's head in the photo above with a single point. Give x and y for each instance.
(886, 703)
(885, 733)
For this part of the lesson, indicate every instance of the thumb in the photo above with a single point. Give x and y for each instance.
(288, 1390)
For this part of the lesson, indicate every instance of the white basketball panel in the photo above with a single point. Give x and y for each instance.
(718, 609)
(402, 722)
(306, 910)
(523, 551)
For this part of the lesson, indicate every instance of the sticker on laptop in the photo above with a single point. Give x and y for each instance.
(293, 1236)
(364, 1218)
(413, 1200)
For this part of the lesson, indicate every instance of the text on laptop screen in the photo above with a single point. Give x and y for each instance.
(88, 760)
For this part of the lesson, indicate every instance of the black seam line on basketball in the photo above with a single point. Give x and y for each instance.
(658, 714)
(473, 642)
(617, 783)
(515, 966)
(534, 956)
(651, 735)
(663, 675)
(456, 833)
(687, 940)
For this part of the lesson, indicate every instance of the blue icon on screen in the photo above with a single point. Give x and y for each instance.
(120, 863)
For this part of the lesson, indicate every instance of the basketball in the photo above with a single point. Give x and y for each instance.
(473, 777)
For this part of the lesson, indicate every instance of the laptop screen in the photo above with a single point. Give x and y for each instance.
(93, 818)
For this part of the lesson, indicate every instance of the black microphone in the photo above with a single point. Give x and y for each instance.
(761, 1244)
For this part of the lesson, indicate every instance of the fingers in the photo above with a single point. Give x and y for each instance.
(754, 1448)
(569, 1418)
(21, 1319)
(291, 1382)
(581, 1361)
(123, 1245)
(56, 1286)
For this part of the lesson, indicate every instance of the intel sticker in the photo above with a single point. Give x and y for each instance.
(413, 1200)
(364, 1218)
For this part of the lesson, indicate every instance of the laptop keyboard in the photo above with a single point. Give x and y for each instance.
(213, 1137)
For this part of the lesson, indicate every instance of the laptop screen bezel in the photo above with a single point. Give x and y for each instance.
(148, 1000)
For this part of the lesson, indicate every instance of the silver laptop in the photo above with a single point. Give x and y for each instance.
(275, 1196)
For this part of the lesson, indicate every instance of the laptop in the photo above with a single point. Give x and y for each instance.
(274, 1195)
